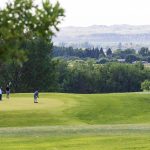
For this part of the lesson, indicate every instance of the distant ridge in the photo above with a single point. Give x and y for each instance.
(104, 33)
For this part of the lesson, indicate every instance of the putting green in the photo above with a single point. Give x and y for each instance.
(26, 102)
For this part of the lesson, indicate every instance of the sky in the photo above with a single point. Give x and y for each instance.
(103, 12)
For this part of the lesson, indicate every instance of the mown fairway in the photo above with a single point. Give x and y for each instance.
(75, 122)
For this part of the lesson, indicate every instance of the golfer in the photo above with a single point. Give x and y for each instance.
(36, 96)
(7, 91)
(0, 93)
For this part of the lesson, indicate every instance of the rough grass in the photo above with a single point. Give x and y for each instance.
(75, 122)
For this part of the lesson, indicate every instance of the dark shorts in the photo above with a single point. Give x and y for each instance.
(7, 92)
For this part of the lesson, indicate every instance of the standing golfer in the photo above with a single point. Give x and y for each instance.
(0, 93)
(7, 91)
(36, 96)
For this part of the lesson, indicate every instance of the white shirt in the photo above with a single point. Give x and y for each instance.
(0, 91)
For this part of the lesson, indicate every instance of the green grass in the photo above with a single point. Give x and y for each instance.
(78, 143)
(106, 137)
(75, 122)
(72, 109)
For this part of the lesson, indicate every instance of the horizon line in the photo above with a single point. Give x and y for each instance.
(105, 25)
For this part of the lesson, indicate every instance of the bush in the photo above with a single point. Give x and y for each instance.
(145, 86)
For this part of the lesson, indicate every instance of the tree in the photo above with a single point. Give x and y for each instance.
(129, 51)
(80, 78)
(101, 53)
(123, 53)
(120, 45)
(11, 72)
(39, 70)
(139, 65)
(109, 52)
(145, 85)
(131, 58)
(148, 59)
(103, 60)
(22, 20)
(123, 77)
(144, 51)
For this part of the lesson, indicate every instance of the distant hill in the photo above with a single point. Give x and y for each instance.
(100, 34)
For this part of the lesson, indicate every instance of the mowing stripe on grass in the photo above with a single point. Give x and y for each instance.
(76, 130)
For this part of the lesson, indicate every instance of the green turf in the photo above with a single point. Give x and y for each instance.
(75, 122)
(71, 109)
(78, 143)
(106, 137)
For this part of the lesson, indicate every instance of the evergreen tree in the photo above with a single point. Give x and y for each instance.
(109, 52)
(101, 53)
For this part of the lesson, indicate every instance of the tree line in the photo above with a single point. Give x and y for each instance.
(129, 55)
(48, 74)
(87, 77)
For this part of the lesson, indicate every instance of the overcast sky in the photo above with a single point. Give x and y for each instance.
(104, 12)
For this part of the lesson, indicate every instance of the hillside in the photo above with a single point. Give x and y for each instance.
(104, 35)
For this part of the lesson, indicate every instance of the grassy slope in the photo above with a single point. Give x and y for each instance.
(61, 111)
(70, 109)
